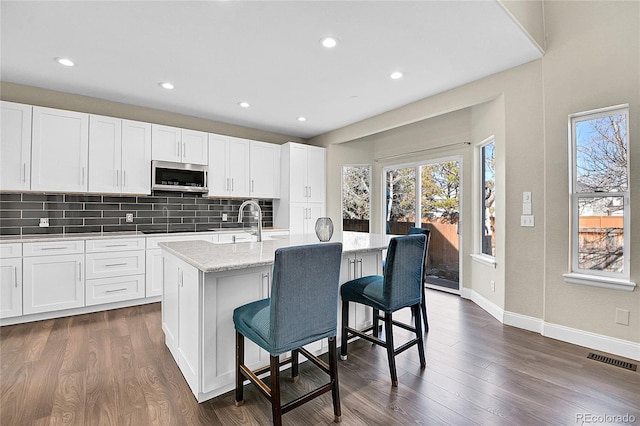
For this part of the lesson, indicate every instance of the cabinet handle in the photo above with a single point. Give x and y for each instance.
(309, 191)
(79, 271)
(352, 271)
(115, 290)
(53, 248)
(226, 184)
(124, 178)
(181, 278)
(252, 186)
(115, 245)
(232, 184)
(24, 172)
(360, 262)
(266, 275)
(184, 150)
(116, 264)
(178, 148)
(15, 275)
(82, 176)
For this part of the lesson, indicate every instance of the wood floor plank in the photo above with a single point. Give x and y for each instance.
(112, 368)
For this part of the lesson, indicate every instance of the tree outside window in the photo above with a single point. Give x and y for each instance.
(356, 198)
(600, 191)
(488, 207)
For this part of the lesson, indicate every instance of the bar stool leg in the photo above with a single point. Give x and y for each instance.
(333, 372)
(344, 338)
(416, 310)
(276, 407)
(388, 331)
(423, 306)
(239, 362)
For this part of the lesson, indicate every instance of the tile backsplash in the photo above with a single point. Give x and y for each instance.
(20, 213)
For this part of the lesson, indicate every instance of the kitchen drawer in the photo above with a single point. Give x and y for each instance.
(53, 248)
(114, 289)
(115, 244)
(10, 250)
(103, 265)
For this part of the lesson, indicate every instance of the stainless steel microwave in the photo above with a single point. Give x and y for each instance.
(169, 176)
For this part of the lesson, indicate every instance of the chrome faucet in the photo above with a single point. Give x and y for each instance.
(241, 215)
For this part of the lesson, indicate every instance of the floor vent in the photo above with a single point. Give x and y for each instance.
(612, 361)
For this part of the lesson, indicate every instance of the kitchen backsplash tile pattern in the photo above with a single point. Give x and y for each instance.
(20, 213)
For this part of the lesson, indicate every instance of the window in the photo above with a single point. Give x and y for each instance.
(600, 193)
(488, 198)
(356, 198)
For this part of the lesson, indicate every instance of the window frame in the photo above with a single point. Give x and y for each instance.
(482, 191)
(594, 277)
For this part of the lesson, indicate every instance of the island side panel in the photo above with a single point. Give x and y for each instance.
(222, 293)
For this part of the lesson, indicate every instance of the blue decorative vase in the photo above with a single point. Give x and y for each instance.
(324, 228)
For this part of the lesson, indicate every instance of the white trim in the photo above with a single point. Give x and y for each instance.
(490, 307)
(598, 342)
(599, 281)
(485, 259)
(523, 321)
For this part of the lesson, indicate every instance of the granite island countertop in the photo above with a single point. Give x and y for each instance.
(212, 257)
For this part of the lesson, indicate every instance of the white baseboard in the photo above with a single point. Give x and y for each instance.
(599, 342)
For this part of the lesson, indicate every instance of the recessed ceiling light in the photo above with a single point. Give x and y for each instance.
(244, 104)
(329, 42)
(166, 85)
(65, 61)
(301, 118)
(396, 75)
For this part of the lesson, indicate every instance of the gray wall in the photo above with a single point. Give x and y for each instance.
(592, 60)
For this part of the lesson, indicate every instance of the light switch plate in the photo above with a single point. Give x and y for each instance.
(526, 208)
(527, 220)
(526, 197)
(44, 222)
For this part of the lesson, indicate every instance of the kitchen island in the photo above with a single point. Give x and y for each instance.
(204, 282)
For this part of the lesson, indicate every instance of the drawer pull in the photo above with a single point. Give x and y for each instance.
(116, 290)
(54, 248)
(116, 264)
(116, 245)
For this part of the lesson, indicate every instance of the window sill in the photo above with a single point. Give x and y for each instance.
(484, 259)
(598, 281)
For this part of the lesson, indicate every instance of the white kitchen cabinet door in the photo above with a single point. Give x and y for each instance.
(59, 150)
(53, 283)
(178, 145)
(10, 287)
(136, 157)
(316, 164)
(194, 147)
(15, 146)
(304, 216)
(105, 154)
(264, 170)
(153, 278)
(166, 143)
(228, 166)
(298, 173)
(238, 169)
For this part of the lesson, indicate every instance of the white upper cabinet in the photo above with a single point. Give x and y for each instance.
(228, 166)
(264, 170)
(179, 145)
(59, 150)
(119, 156)
(307, 173)
(105, 154)
(136, 157)
(15, 146)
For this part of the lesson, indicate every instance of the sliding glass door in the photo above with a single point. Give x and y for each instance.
(427, 195)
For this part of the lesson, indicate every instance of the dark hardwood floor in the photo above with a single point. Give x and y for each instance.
(112, 368)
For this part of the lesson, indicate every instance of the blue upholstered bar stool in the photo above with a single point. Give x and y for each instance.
(399, 287)
(303, 308)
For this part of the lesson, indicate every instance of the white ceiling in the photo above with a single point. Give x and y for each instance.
(267, 53)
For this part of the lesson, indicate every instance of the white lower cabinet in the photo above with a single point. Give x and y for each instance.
(358, 265)
(197, 319)
(115, 270)
(53, 283)
(11, 280)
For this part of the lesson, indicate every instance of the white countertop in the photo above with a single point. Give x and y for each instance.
(211, 257)
(37, 238)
